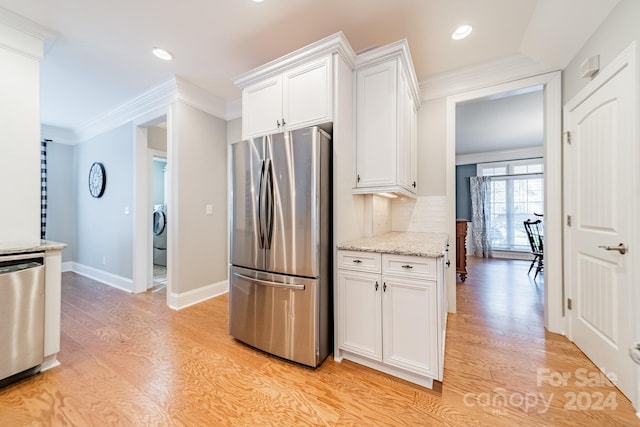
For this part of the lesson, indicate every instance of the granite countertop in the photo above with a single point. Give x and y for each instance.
(8, 248)
(401, 243)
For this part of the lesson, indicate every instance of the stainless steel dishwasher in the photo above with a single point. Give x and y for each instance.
(21, 316)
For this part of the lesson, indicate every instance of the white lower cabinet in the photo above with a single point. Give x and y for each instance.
(390, 319)
(409, 325)
(360, 315)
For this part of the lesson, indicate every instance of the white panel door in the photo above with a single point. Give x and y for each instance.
(600, 159)
(409, 317)
(359, 311)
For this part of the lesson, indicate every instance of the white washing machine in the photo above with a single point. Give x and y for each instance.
(160, 235)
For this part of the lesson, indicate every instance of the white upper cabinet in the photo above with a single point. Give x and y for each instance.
(297, 97)
(307, 94)
(262, 107)
(376, 125)
(387, 102)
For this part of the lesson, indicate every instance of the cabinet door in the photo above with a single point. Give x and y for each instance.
(404, 133)
(407, 136)
(410, 321)
(359, 313)
(262, 108)
(413, 142)
(307, 94)
(376, 122)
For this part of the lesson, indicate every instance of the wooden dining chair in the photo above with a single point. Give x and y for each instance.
(535, 233)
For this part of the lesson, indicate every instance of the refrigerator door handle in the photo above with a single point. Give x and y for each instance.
(261, 207)
(270, 283)
(269, 214)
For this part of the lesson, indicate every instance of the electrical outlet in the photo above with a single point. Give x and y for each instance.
(209, 209)
(126, 210)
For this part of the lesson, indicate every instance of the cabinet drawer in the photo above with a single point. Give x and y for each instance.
(359, 261)
(410, 266)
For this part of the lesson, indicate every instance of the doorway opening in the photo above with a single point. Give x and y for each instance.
(152, 229)
(500, 179)
(160, 225)
(549, 86)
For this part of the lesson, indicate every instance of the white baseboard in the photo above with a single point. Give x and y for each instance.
(186, 299)
(113, 280)
(67, 266)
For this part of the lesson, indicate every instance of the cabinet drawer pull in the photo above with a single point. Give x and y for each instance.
(407, 266)
(278, 123)
(376, 286)
(384, 287)
(357, 261)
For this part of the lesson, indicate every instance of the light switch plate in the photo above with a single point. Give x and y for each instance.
(209, 209)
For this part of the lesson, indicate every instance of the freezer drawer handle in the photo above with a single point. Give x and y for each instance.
(269, 283)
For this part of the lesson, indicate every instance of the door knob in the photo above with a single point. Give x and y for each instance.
(620, 248)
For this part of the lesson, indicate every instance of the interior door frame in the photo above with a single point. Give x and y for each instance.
(554, 316)
(143, 220)
(151, 156)
(627, 58)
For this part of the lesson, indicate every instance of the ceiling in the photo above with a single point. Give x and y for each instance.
(101, 54)
(508, 121)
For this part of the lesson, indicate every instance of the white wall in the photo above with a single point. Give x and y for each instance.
(612, 37)
(157, 138)
(104, 227)
(234, 131)
(61, 197)
(198, 160)
(20, 56)
(432, 137)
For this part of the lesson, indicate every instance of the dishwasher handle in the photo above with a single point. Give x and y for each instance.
(13, 263)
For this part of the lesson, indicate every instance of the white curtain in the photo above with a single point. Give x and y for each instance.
(480, 216)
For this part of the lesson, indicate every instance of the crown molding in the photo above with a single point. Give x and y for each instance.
(23, 36)
(199, 98)
(482, 75)
(25, 25)
(152, 102)
(335, 43)
(500, 156)
(152, 99)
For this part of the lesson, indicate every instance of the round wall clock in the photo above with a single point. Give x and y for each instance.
(97, 179)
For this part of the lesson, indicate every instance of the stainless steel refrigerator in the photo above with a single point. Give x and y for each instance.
(280, 276)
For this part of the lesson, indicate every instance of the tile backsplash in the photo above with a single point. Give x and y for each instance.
(381, 215)
(424, 214)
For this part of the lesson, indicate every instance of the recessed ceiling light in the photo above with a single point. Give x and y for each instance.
(258, 1)
(162, 54)
(462, 32)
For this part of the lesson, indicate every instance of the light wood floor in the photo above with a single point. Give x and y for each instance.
(129, 360)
